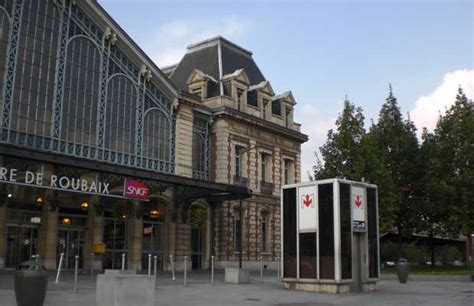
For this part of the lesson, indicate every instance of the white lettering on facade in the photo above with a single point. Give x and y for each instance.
(3, 173)
(29, 177)
(54, 178)
(56, 182)
(39, 178)
(64, 182)
(75, 184)
(93, 188)
(13, 173)
(106, 188)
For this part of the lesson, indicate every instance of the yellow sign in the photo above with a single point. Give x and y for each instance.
(98, 248)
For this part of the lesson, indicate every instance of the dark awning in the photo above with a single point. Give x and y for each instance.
(184, 188)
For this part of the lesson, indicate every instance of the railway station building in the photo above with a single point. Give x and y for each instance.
(102, 153)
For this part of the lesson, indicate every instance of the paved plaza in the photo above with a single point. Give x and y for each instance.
(271, 292)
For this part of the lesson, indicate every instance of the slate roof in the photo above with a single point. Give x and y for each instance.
(206, 57)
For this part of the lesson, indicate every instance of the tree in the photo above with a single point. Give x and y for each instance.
(341, 152)
(455, 138)
(399, 156)
(433, 214)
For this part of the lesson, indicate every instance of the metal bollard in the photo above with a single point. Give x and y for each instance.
(155, 261)
(185, 270)
(261, 269)
(76, 268)
(59, 268)
(212, 270)
(149, 264)
(92, 265)
(123, 261)
(278, 267)
(172, 267)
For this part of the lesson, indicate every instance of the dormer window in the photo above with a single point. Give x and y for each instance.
(264, 108)
(197, 92)
(288, 117)
(276, 107)
(252, 98)
(240, 94)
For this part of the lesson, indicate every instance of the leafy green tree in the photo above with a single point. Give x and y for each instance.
(399, 156)
(455, 139)
(434, 212)
(341, 152)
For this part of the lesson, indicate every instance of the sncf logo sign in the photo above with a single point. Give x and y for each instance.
(135, 189)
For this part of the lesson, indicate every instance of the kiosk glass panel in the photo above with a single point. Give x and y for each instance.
(308, 264)
(289, 233)
(346, 234)
(372, 233)
(326, 231)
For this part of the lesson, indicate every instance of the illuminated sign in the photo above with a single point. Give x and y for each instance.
(135, 189)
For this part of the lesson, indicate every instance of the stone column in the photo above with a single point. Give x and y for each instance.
(135, 238)
(48, 234)
(3, 234)
(94, 234)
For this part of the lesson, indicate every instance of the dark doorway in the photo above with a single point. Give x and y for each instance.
(196, 248)
(22, 243)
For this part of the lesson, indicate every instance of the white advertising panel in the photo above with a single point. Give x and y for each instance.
(359, 204)
(308, 208)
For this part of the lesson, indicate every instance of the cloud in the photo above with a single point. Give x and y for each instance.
(168, 44)
(428, 108)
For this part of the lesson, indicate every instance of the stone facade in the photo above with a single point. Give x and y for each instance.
(254, 143)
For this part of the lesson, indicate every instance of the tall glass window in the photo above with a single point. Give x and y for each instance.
(264, 167)
(346, 231)
(156, 135)
(326, 231)
(238, 161)
(36, 62)
(198, 152)
(4, 32)
(120, 115)
(372, 232)
(289, 235)
(81, 90)
(308, 264)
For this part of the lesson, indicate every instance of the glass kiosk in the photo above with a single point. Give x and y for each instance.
(330, 237)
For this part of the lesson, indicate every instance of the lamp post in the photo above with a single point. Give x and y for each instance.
(241, 152)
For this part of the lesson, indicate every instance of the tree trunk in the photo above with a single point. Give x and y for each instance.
(432, 249)
(400, 241)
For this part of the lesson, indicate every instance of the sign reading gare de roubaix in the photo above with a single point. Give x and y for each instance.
(132, 189)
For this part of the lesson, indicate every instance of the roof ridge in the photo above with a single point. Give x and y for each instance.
(213, 41)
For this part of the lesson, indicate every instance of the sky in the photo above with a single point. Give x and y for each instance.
(324, 50)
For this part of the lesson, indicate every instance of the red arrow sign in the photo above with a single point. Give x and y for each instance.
(307, 200)
(358, 201)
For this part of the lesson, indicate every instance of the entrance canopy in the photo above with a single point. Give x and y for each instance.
(41, 170)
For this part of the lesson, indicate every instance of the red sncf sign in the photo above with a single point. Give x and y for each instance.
(135, 189)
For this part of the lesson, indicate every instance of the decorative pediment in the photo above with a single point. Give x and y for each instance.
(287, 96)
(198, 76)
(263, 86)
(239, 75)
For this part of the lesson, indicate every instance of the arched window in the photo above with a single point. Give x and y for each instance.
(33, 97)
(120, 115)
(156, 135)
(4, 33)
(81, 90)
